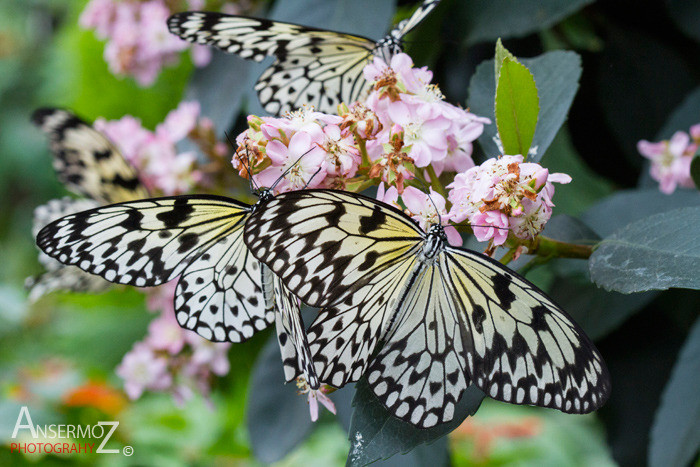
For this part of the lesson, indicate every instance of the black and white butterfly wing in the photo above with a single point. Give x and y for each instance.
(291, 335)
(146, 243)
(313, 66)
(407, 25)
(57, 276)
(460, 318)
(86, 161)
(523, 348)
(339, 251)
(422, 370)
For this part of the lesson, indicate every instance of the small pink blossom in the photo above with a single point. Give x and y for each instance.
(141, 369)
(164, 333)
(429, 209)
(314, 396)
(670, 160)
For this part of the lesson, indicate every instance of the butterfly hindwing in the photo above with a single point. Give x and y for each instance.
(86, 161)
(345, 335)
(422, 371)
(291, 336)
(221, 293)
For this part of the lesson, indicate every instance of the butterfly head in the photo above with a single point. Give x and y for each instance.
(389, 46)
(264, 195)
(435, 240)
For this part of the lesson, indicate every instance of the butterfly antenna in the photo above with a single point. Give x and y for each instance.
(427, 189)
(281, 177)
(312, 177)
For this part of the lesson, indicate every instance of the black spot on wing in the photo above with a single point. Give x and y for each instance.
(180, 212)
(371, 223)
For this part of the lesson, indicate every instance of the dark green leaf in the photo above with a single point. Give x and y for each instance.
(686, 14)
(556, 74)
(517, 106)
(571, 230)
(375, 434)
(486, 20)
(625, 207)
(675, 435)
(586, 187)
(695, 170)
(596, 310)
(277, 418)
(683, 117)
(655, 253)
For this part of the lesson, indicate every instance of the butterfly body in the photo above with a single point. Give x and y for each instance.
(312, 66)
(422, 320)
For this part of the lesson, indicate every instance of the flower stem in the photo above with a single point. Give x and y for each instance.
(435, 182)
(361, 143)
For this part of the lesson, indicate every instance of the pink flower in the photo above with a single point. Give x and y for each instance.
(127, 133)
(164, 333)
(208, 355)
(141, 369)
(342, 155)
(670, 160)
(490, 225)
(180, 122)
(314, 397)
(299, 165)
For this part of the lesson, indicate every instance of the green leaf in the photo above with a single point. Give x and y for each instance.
(501, 54)
(486, 20)
(517, 106)
(597, 311)
(586, 187)
(686, 14)
(627, 206)
(556, 73)
(655, 253)
(277, 418)
(683, 117)
(375, 434)
(675, 435)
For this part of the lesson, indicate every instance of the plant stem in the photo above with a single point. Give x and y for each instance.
(435, 182)
(363, 151)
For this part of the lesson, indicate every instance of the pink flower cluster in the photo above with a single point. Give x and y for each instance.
(504, 195)
(670, 160)
(305, 149)
(433, 131)
(154, 154)
(138, 41)
(170, 358)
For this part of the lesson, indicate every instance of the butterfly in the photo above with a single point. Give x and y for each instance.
(223, 293)
(312, 66)
(89, 165)
(422, 320)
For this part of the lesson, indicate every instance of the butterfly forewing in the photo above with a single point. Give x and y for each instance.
(86, 161)
(325, 244)
(407, 25)
(525, 349)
